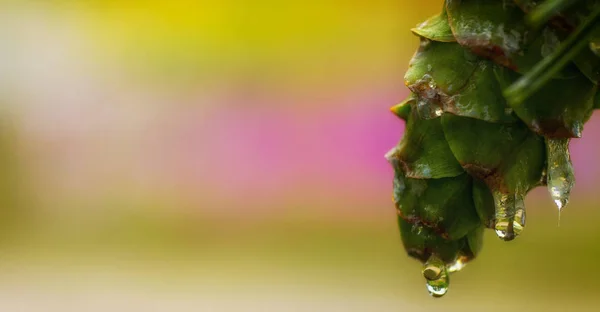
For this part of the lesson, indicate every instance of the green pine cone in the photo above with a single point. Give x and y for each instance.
(497, 91)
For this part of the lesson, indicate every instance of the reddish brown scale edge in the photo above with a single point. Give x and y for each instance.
(491, 177)
(406, 168)
(484, 48)
(551, 128)
(414, 220)
(492, 52)
(559, 21)
(442, 100)
(419, 254)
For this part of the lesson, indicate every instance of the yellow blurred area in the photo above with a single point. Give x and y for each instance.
(292, 46)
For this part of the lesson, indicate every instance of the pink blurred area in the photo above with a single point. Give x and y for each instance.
(271, 138)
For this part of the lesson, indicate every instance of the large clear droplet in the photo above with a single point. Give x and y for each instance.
(436, 274)
(510, 215)
(560, 171)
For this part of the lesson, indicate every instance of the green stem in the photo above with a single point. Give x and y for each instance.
(543, 12)
(544, 70)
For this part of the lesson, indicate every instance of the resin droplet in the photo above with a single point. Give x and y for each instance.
(436, 274)
(560, 171)
(510, 215)
(428, 109)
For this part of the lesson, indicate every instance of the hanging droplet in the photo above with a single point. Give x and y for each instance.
(560, 171)
(510, 215)
(436, 274)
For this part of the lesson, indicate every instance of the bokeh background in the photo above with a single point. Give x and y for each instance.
(183, 155)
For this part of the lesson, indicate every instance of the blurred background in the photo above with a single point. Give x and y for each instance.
(228, 156)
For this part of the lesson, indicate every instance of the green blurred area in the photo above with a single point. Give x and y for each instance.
(352, 265)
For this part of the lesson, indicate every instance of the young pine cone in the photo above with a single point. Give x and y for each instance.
(498, 88)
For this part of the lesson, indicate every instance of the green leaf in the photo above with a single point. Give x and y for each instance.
(475, 240)
(435, 28)
(522, 170)
(423, 152)
(420, 242)
(559, 109)
(481, 97)
(402, 110)
(443, 205)
(439, 69)
(493, 29)
(505, 156)
(484, 203)
(482, 147)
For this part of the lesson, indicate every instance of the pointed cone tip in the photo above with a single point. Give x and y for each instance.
(402, 110)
